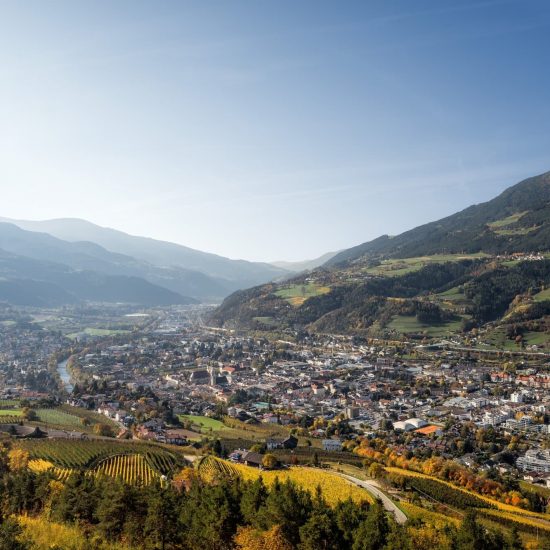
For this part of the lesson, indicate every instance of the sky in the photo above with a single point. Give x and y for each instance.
(269, 130)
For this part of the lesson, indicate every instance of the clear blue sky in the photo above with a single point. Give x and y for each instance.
(269, 130)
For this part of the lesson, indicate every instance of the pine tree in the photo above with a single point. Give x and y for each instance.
(319, 533)
(372, 533)
(252, 502)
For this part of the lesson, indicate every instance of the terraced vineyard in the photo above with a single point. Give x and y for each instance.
(333, 487)
(211, 468)
(489, 502)
(10, 419)
(9, 403)
(39, 465)
(58, 417)
(461, 499)
(134, 469)
(132, 461)
(428, 516)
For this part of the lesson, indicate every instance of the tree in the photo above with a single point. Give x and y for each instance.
(160, 525)
(376, 470)
(318, 533)
(348, 517)
(252, 501)
(472, 536)
(372, 533)
(104, 430)
(111, 511)
(29, 414)
(513, 541)
(287, 506)
(269, 461)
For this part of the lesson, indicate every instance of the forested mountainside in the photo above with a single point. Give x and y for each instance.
(485, 266)
(518, 220)
(465, 293)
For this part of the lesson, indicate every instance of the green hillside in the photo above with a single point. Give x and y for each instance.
(486, 267)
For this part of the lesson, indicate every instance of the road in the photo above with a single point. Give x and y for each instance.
(371, 487)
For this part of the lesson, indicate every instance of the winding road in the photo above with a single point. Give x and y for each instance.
(372, 488)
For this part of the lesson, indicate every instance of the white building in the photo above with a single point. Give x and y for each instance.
(535, 461)
(332, 445)
(516, 397)
(410, 424)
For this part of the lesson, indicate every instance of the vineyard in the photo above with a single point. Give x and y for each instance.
(10, 419)
(210, 468)
(91, 416)
(333, 487)
(489, 502)
(133, 469)
(436, 519)
(490, 510)
(9, 403)
(443, 493)
(10, 412)
(522, 523)
(39, 465)
(133, 462)
(58, 417)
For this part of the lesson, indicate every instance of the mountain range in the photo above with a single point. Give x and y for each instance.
(68, 260)
(488, 265)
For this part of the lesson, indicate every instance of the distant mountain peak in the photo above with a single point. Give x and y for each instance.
(179, 268)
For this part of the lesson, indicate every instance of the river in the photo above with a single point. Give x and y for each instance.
(65, 376)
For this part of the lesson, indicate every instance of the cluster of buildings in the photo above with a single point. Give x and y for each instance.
(324, 387)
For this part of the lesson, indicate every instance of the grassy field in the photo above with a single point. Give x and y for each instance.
(405, 324)
(270, 321)
(73, 418)
(205, 423)
(298, 294)
(234, 434)
(517, 231)
(497, 338)
(542, 295)
(348, 469)
(453, 294)
(504, 222)
(98, 332)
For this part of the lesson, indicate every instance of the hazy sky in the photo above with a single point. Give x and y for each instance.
(269, 130)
